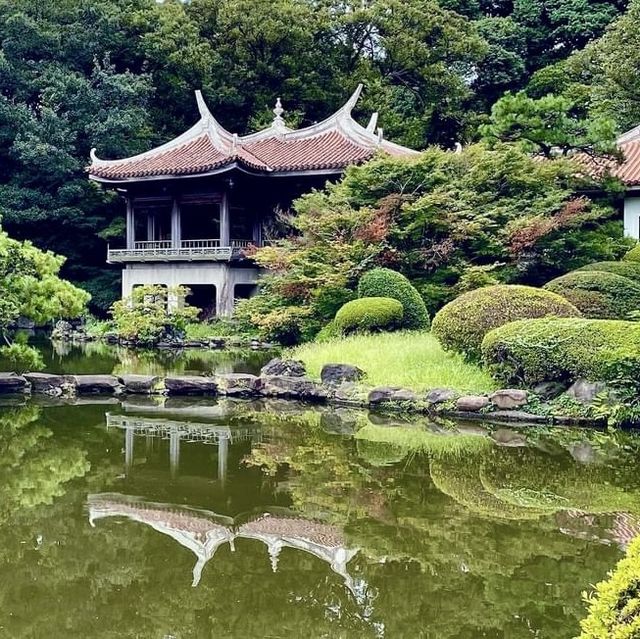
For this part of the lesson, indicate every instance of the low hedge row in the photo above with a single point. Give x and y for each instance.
(598, 294)
(552, 349)
(369, 314)
(383, 282)
(462, 324)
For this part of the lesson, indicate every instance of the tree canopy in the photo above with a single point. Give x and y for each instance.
(119, 75)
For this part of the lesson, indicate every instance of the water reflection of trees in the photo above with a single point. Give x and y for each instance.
(432, 562)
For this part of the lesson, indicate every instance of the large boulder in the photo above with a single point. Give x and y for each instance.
(291, 387)
(585, 391)
(49, 384)
(283, 367)
(391, 394)
(11, 383)
(440, 395)
(97, 384)
(140, 384)
(509, 398)
(472, 403)
(335, 374)
(237, 384)
(191, 385)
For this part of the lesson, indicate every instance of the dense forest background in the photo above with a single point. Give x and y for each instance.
(119, 75)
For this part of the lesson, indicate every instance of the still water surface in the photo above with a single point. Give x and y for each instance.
(171, 518)
(174, 518)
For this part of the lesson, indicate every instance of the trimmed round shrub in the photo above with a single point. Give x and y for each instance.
(614, 610)
(626, 269)
(598, 295)
(554, 349)
(383, 282)
(369, 314)
(462, 324)
(632, 255)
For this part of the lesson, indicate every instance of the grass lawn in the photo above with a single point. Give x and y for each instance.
(412, 360)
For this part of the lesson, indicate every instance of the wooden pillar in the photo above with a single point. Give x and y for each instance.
(176, 227)
(257, 233)
(225, 225)
(151, 227)
(131, 225)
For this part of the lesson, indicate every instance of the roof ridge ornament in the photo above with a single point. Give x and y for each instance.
(371, 127)
(278, 121)
(202, 105)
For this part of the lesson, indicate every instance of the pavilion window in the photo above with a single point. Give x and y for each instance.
(152, 221)
(200, 220)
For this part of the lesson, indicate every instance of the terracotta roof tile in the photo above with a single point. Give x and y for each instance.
(332, 144)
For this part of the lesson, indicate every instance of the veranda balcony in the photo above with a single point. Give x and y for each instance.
(186, 251)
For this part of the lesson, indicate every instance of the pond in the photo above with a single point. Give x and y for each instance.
(99, 358)
(183, 518)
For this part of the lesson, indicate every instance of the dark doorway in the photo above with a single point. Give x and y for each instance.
(244, 291)
(203, 297)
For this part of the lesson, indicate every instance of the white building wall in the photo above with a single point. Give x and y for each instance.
(222, 275)
(632, 216)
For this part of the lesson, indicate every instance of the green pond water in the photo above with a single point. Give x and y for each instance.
(175, 518)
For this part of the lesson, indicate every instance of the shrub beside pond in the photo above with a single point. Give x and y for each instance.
(556, 349)
(626, 269)
(598, 294)
(632, 255)
(369, 314)
(383, 282)
(614, 608)
(462, 324)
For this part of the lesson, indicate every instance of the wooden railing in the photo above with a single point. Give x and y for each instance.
(164, 251)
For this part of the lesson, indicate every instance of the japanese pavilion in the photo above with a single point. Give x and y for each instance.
(196, 205)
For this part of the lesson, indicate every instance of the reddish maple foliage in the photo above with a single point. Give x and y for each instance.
(525, 237)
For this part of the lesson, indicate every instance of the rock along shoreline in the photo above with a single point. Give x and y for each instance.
(286, 379)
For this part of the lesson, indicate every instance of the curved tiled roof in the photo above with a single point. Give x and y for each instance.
(207, 147)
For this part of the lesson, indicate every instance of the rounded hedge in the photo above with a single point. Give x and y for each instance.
(462, 324)
(614, 609)
(598, 295)
(626, 269)
(554, 349)
(369, 314)
(383, 282)
(632, 255)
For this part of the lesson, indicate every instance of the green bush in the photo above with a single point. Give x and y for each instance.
(383, 282)
(614, 608)
(552, 349)
(328, 333)
(598, 295)
(626, 269)
(369, 314)
(462, 324)
(632, 255)
(20, 358)
(145, 316)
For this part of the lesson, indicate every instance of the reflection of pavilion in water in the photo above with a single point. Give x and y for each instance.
(203, 532)
(178, 431)
(617, 528)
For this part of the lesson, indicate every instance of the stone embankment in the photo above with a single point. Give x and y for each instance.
(287, 379)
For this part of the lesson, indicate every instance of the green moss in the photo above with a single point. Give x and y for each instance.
(369, 314)
(632, 255)
(556, 349)
(626, 269)
(383, 282)
(462, 324)
(614, 608)
(598, 294)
